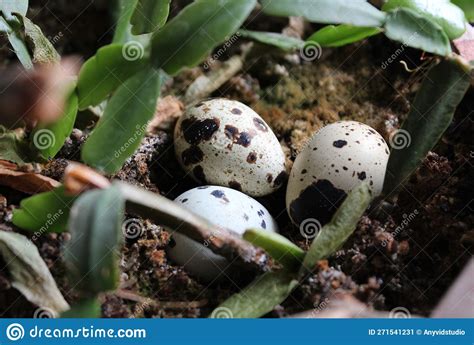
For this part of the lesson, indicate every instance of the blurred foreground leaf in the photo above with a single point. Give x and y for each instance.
(333, 235)
(190, 36)
(447, 15)
(467, 6)
(416, 31)
(340, 35)
(92, 253)
(149, 16)
(122, 126)
(29, 273)
(84, 309)
(103, 73)
(274, 39)
(280, 248)
(431, 113)
(58, 131)
(45, 212)
(354, 12)
(259, 298)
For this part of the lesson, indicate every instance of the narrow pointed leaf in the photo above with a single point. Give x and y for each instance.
(417, 31)
(280, 248)
(45, 212)
(447, 15)
(190, 36)
(92, 253)
(260, 297)
(149, 16)
(19, 46)
(340, 35)
(122, 13)
(274, 39)
(29, 273)
(59, 131)
(109, 68)
(333, 235)
(432, 112)
(122, 126)
(354, 12)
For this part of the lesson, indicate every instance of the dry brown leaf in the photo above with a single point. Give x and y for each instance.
(26, 182)
(78, 178)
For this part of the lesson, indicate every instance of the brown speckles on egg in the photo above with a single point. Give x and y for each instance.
(269, 178)
(260, 124)
(339, 143)
(361, 175)
(235, 185)
(236, 111)
(195, 131)
(220, 195)
(192, 155)
(252, 158)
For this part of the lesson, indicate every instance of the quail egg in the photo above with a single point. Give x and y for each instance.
(337, 158)
(224, 142)
(224, 207)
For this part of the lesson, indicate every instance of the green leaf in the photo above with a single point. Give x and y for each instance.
(274, 39)
(109, 68)
(354, 12)
(467, 6)
(450, 17)
(280, 248)
(44, 212)
(149, 16)
(16, 40)
(43, 50)
(11, 7)
(340, 35)
(431, 113)
(57, 132)
(259, 298)
(13, 148)
(190, 36)
(84, 309)
(29, 274)
(122, 14)
(92, 253)
(416, 31)
(333, 235)
(122, 126)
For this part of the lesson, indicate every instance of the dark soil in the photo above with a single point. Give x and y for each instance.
(381, 265)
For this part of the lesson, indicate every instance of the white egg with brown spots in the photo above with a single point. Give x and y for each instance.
(224, 142)
(224, 207)
(337, 158)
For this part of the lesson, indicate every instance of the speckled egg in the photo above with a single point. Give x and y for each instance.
(224, 142)
(337, 158)
(224, 207)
